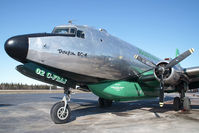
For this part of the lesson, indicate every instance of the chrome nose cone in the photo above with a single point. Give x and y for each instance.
(17, 47)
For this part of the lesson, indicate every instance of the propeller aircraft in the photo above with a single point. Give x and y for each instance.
(112, 69)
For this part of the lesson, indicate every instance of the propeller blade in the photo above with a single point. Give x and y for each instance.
(179, 58)
(144, 61)
(161, 96)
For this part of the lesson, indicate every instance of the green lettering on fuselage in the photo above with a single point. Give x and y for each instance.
(50, 75)
(148, 55)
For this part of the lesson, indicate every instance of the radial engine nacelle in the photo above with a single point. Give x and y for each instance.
(170, 76)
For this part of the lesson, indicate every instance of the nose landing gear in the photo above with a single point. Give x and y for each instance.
(60, 112)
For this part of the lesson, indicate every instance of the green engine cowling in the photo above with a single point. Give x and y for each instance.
(122, 90)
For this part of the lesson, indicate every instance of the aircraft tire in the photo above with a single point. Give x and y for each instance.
(187, 104)
(101, 102)
(177, 103)
(104, 102)
(108, 103)
(56, 113)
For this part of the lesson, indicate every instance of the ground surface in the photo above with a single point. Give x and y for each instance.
(30, 113)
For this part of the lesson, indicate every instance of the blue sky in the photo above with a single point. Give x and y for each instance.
(157, 26)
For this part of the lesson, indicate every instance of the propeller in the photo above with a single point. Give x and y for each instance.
(179, 58)
(162, 69)
(161, 97)
(145, 61)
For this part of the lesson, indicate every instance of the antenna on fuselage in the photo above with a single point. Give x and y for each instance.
(71, 21)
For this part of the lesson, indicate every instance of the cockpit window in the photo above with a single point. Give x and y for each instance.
(69, 31)
(80, 34)
(61, 31)
(72, 31)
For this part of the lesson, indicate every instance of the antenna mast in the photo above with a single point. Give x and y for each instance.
(70, 22)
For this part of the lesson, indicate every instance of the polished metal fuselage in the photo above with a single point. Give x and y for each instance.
(97, 55)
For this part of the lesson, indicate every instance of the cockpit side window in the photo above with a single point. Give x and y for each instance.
(73, 31)
(80, 34)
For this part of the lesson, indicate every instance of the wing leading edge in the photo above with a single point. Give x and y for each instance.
(193, 75)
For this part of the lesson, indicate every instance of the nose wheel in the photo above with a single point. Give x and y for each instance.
(60, 112)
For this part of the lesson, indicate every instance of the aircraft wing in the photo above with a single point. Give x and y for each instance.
(193, 74)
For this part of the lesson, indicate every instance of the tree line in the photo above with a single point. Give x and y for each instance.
(20, 86)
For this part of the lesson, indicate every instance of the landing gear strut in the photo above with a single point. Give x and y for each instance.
(104, 102)
(182, 102)
(60, 112)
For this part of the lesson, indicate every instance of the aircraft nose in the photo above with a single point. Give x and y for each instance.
(17, 47)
